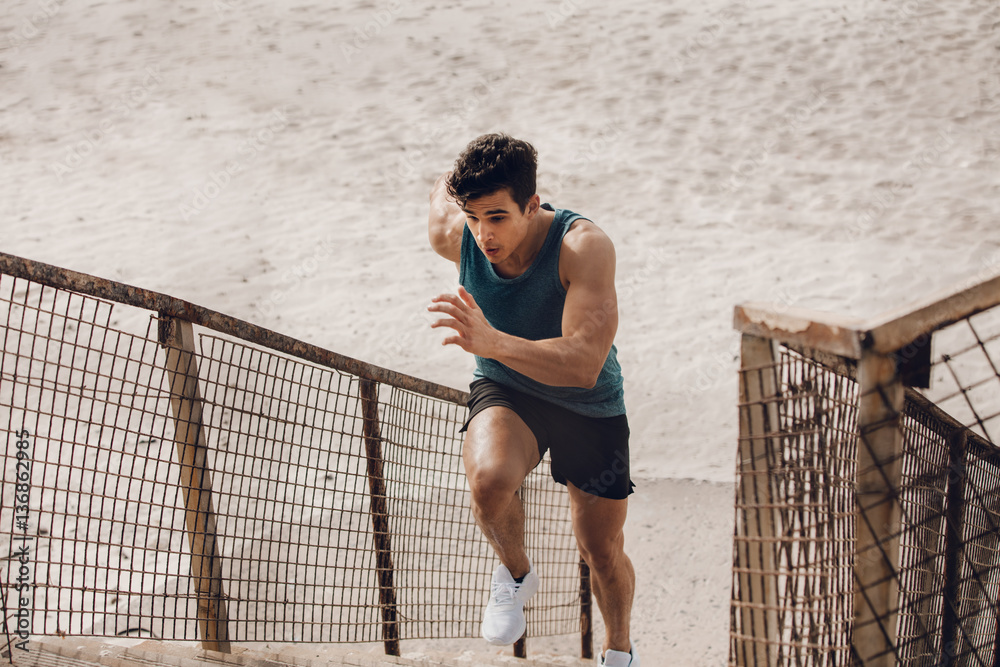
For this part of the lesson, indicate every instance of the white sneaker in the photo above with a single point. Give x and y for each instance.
(503, 622)
(612, 658)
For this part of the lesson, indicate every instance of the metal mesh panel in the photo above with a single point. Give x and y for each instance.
(975, 606)
(796, 564)
(807, 456)
(291, 495)
(101, 520)
(921, 567)
(103, 545)
(965, 375)
(949, 546)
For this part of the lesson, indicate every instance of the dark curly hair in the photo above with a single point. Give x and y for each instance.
(492, 162)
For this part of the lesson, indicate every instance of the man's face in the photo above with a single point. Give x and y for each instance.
(498, 224)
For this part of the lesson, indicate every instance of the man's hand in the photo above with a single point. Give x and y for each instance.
(589, 319)
(474, 333)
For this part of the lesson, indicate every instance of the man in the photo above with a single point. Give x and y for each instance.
(536, 306)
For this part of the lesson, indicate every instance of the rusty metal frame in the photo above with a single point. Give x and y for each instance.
(174, 313)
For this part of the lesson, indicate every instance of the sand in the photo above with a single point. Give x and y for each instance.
(272, 161)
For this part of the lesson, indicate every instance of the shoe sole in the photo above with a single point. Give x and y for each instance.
(500, 642)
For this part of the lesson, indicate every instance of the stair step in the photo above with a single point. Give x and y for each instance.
(87, 652)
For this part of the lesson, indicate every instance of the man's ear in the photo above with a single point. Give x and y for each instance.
(533, 205)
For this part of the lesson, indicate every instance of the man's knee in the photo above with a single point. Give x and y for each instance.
(491, 490)
(498, 453)
(602, 552)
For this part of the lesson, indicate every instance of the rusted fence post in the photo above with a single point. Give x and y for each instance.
(879, 514)
(756, 536)
(177, 339)
(384, 568)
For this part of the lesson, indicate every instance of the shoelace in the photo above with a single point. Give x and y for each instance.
(503, 593)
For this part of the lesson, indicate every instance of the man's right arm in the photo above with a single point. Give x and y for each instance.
(445, 222)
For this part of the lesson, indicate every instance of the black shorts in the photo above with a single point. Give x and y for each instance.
(590, 452)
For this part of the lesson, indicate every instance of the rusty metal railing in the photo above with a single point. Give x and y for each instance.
(175, 472)
(867, 518)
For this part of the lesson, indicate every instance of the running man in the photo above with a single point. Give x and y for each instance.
(537, 307)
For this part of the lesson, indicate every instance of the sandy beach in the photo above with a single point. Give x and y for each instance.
(272, 161)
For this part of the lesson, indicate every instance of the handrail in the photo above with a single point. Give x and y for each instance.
(900, 327)
(844, 462)
(411, 459)
(883, 334)
(798, 326)
(166, 305)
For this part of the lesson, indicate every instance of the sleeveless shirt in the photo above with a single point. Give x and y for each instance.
(531, 306)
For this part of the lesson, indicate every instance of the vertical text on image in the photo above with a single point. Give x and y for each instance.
(20, 544)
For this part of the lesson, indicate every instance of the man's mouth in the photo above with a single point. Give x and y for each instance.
(491, 252)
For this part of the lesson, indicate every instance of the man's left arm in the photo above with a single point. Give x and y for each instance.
(589, 322)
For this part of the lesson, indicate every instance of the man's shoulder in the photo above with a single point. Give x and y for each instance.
(585, 236)
(587, 253)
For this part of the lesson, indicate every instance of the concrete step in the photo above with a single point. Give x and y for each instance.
(87, 652)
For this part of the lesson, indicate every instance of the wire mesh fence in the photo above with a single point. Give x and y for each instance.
(867, 510)
(173, 481)
(793, 550)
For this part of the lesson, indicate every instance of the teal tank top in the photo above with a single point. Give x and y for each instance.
(531, 306)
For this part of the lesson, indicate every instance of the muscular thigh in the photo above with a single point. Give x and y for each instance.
(500, 445)
(598, 523)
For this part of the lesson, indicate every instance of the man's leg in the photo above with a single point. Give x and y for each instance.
(598, 524)
(499, 452)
